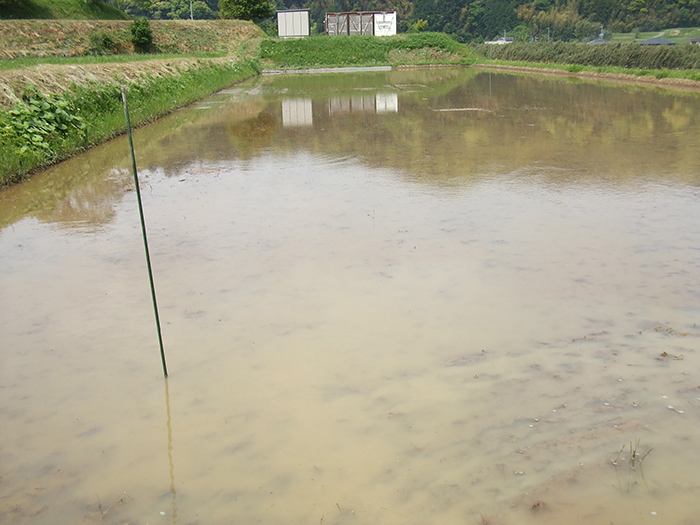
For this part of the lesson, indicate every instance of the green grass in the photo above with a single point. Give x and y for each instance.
(97, 59)
(98, 107)
(657, 73)
(679, 35)
(339, 51)
(66, 9)
(631, 56)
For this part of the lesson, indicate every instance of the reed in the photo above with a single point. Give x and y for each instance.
(633, 463)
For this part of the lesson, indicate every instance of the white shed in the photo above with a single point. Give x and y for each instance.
(293, 23)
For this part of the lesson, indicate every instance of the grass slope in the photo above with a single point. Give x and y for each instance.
(64, 9)
(679, 35)
(338, 51)
(43, 129)
(73, 38)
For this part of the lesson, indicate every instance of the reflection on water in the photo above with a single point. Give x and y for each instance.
(171, 464)
(454, 302)
(297, 112)
(374, 103)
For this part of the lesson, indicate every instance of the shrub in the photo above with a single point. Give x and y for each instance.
(141, 34)
(418, 26)
(246, 9)
(101, 43)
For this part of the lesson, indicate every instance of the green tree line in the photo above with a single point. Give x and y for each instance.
(470, 20)
(194, 9)
(466, 20)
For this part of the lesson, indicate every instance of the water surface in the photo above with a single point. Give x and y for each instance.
(442, 296)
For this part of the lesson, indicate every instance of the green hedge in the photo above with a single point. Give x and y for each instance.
(626, 55)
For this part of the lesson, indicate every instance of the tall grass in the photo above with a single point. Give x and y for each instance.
(99, 108)
(17, 63)
(633, 56)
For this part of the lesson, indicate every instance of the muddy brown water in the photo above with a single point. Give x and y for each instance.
(446, 296)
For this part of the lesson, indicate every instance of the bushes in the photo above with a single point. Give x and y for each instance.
(141, 35)
(102, 43)
(634, 56)
(246, 9)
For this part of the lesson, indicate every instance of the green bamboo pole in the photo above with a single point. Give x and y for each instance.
(143, 230)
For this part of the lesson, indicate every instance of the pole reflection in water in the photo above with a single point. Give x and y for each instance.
(171, 464)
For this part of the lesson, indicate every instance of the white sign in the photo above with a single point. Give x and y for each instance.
(385, 24)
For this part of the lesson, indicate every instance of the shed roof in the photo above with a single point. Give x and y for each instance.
(658, 41)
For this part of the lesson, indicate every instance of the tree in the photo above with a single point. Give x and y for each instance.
(180, 9)
(11, 4)
(245, 9)
(498, 16)
(141, 34)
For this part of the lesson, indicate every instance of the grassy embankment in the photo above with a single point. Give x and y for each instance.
(343, 51)
(621, 56)
(44, 129)
(53, 105)
(679, 35)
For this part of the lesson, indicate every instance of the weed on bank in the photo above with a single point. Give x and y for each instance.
(41, 130)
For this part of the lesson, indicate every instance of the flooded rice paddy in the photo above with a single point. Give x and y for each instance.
(441, 296)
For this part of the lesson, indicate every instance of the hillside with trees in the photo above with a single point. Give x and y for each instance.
(471, 20)
(466, 20)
